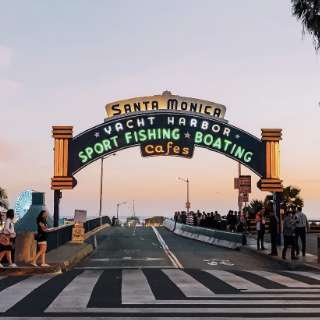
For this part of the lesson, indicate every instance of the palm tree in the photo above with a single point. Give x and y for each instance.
(308, 11)
(254, 207)
(290, 197)
(3, 199)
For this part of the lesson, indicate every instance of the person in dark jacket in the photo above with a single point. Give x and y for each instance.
(273, 228)
(289, 226)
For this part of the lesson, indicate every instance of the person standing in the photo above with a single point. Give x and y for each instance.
(41, 239)
(8, 236)
(289, 227)
(260, 227)
(273, 228)
(302, 227)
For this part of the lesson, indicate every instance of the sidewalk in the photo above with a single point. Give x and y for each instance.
(60, 259)
(309, 260)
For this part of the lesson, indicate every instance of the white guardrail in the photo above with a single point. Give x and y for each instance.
(212, 236)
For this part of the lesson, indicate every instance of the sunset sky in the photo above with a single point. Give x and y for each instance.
(62, 61)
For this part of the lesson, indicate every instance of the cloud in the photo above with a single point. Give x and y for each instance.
(5, 57)
(7, 152)
(8, 89)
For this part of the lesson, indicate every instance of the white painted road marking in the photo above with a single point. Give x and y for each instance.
(311, 275)
(187, 284)
(135, 287)
(77, 294)
(211, 310)
(234, 280)
(13, 294)
(125, 258)
(283, 280)
(167, 251)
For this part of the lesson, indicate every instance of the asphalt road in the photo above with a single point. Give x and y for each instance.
(133, 275)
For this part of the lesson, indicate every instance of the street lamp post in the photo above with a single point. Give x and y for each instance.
(101, 185)
(118, 205)
(188, 195)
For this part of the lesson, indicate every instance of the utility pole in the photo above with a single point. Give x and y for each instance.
(239, 172)
(133, 210)
(187, 181)
(118, 205)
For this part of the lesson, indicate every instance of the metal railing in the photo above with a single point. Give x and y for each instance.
(60, 235)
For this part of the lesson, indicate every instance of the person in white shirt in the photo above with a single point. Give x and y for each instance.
(8, 232)
(302, 227)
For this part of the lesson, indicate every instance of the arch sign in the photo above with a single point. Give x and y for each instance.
(165, 125)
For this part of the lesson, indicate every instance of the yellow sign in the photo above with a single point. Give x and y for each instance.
(166, 101)
(78, 233)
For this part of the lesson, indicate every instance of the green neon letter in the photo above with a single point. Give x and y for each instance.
(198, 137)
(217, 144)
(128, 137)
(89, 152)
(248, 156)
(175, 134)
(83, 157)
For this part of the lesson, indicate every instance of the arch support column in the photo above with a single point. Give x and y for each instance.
(271, 181)
(61, 178)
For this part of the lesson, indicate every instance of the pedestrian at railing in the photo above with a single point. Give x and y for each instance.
(41, 238)
(260, 227)
(289, 227)
(7, 239)
(302, 227)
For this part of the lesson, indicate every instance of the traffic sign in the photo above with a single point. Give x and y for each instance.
(236, 183)
(245, 184)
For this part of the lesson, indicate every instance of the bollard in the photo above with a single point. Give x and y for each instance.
(25, 247)
(95, 242)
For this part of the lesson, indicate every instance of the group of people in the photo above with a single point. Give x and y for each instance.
(8, 236)
(295, 227)
(234, 221)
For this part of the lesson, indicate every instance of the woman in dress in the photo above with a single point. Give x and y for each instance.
(8, 233)
(41, 239)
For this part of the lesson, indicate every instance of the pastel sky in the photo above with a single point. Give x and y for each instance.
(62, 61)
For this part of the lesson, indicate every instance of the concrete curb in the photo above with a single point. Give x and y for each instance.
(83, 251)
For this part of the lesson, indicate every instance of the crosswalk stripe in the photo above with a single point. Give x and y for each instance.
(228, 302)
(283, 280)
(187, 284)
(135, 287)
(312, 275)
(211, 310)
(234, 280)
(77, 294)
(191, 317)
(13, 294)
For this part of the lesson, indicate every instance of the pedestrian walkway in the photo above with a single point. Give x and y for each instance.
(157, 292)
(309, 260)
